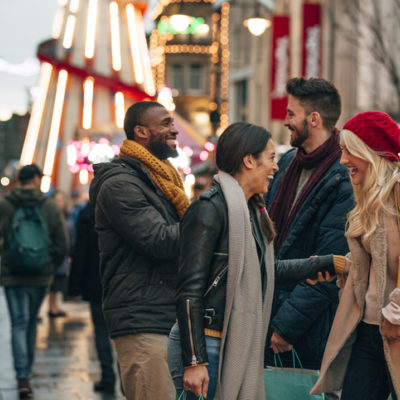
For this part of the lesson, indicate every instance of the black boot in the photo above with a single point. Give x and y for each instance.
(105, 385)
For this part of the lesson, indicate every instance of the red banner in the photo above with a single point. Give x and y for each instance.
(280, 66)
(312, 40)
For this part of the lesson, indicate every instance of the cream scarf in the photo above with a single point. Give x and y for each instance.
(241, 367)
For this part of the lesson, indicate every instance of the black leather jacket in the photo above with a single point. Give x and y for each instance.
(203, 265)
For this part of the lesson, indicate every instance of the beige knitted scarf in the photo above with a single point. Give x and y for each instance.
(241, 367)
(162, 172)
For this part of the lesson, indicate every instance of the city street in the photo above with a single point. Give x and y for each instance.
(66, 365)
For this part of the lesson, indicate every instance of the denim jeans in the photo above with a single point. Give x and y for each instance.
(23, 304)
(177, 370)
(367, 376)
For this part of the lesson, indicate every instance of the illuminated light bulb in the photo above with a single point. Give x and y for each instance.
(69, 31)
(190, 179)
(188, 151)
(57, 23)
(74, 6)
(36, 115)
(87, 103)
(209, 146)
(115, 38)
(180, 22)
(55, 124)
(91, 29)
(5, 115)
(133, 39)
(45, 184)
(71, 154)
(257, 26)
(84, 176)
(5, 181)
(203, 155)
(119, 109)
(203, 29)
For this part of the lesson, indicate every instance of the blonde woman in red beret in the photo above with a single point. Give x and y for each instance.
(362, 356)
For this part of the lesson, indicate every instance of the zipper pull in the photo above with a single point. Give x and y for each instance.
(194, 361)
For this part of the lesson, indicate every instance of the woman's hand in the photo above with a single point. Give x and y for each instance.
(195, 380)
(321, 278)
(390, 331)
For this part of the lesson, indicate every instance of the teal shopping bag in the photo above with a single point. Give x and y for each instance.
(290, 383)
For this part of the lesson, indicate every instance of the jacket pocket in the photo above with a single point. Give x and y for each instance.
(216, 280)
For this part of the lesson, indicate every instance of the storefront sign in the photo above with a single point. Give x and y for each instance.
(280, 66)
(312, 38)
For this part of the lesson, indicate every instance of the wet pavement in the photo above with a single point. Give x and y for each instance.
(66, 364)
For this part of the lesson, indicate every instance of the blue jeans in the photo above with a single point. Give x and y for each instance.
(367, 376)
(177, 370)
(24, 304)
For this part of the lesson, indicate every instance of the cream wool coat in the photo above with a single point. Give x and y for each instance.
(350, 313)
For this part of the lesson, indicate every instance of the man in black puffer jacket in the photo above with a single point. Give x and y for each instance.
(139, 199)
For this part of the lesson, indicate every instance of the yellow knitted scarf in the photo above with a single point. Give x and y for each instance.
(162, 172)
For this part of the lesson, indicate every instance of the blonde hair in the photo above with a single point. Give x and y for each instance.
(370, 196)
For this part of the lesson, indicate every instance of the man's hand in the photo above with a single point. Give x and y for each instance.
(279, 345)
(390, 331)
(195, 380)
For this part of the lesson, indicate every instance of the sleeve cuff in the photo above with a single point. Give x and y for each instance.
(392, 313)
(339, 263)
(197, 365)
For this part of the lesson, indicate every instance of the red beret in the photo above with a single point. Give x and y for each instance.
(378, 131)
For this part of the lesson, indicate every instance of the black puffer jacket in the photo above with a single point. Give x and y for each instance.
(203, 264)
(138, 241)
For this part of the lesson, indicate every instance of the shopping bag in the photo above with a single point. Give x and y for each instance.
(290, 383)
(184, 395)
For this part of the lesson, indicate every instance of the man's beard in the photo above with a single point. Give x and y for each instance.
(301, 135)
(161, 150)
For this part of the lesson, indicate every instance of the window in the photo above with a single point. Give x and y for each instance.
(196, 77)
(241, 100)
(177, 77)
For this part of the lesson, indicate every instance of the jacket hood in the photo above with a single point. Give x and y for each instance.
(22, 197)
(103, 171)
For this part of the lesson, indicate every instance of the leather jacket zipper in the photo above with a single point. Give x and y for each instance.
(194, 359)
(216, 280)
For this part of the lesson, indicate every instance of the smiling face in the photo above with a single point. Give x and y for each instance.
(264, 170)
(357, 166)
(296, 122)
(161, 132)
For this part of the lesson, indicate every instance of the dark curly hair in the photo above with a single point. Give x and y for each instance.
(316, 94)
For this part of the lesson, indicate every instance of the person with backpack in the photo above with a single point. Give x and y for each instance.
(33, 241)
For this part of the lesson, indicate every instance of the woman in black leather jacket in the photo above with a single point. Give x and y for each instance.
(223, 312)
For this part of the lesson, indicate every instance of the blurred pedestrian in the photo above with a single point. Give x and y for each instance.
(362, 355)
(84, 279)
(227, 272)
(139, 200)
(60, 282)
(308, 201)
(34, 241)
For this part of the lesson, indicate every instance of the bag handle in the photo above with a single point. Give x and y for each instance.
(183, 396)
(295, 357)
